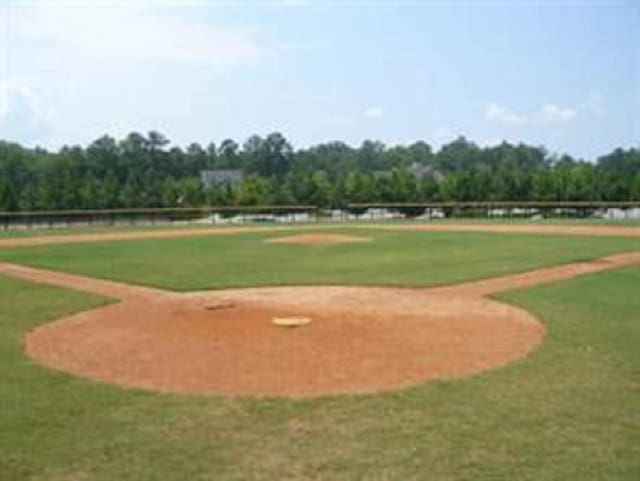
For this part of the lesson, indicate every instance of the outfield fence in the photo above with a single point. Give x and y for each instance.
(504, 209)
(159, 216)
(300, 214)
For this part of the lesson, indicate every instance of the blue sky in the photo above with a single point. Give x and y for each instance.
(561, 74)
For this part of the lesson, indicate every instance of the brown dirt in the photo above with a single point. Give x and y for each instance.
(319, 239)
(361, 340)
(559, 229)
(487, 287)
(173, 233)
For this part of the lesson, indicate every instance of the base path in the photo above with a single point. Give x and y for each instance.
(360, 340)
(559, 229)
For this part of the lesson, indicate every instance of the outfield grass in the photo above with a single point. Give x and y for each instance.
(83, 229)
(569, 411)
(61, 230)
(393, 258)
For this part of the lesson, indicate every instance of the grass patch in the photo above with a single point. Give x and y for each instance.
(569, 411)
(393, 258)
(101, 229)
(98, 229)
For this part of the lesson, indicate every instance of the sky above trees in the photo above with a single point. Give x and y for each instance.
(562, 74)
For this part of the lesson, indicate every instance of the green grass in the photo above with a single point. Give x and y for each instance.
(569, 411)
(84, 229)
(395, 258)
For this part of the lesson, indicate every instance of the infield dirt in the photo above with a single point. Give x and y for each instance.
(362, 339)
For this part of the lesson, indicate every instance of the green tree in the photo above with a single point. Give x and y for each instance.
(256, 190)
(191, 192)
(170, 192)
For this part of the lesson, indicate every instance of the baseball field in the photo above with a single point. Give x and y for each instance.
(484, 351)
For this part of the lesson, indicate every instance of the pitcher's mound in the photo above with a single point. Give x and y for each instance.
(319, 239)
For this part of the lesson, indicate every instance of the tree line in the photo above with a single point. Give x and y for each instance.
(146, 171)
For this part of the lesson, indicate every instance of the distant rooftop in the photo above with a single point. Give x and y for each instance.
(221, 176)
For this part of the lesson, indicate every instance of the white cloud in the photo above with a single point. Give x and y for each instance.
(22, 115)
(84, 37)
(552, 113)
(547, 114)
(119, 65)
(502, 115)
(373, 113)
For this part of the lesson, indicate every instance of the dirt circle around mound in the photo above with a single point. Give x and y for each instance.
(361, 340)
(318, 239)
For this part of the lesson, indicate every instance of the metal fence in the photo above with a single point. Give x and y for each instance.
(289, 214)
(505, 209)
(161, 216)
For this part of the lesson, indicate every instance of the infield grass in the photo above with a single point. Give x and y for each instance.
(568, 411)
(391, 258)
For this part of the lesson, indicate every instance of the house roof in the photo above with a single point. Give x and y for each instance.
(221, 176)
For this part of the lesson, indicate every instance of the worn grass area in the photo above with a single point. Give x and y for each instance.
(393, 258)
(569, 411)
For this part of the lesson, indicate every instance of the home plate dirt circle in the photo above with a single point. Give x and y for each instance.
(361, 340)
